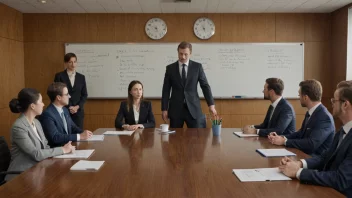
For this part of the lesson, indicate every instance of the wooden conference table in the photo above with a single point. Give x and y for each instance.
(188, 163)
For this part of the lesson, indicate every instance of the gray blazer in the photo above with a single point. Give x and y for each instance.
(26, 148)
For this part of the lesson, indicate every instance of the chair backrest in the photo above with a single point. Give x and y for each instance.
(5, 157)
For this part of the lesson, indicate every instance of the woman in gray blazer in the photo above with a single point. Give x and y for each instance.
(28, 143)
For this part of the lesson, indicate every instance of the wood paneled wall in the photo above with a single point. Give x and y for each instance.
(11, 64)
(45, 35)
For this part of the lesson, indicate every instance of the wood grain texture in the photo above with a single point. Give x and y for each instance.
(189, 163)
(45, 46)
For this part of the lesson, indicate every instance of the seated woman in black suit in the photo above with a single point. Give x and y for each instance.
(135, 112)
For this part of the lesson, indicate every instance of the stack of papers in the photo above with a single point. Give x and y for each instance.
(77, 154)
(118, 133)
(260, 174)
(240, 134)
(275, 152)
(94, 138)
(85, 165)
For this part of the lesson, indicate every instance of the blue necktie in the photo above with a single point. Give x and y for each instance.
(64, 121)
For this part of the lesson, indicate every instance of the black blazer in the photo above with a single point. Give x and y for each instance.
(283, 120)
(187, 92)
(146, 116)
(78, 92)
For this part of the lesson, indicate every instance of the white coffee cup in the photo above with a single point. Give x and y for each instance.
(164, 127)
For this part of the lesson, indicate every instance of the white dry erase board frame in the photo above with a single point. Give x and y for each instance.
(233, 70)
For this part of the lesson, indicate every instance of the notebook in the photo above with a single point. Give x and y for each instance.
(118, 133)
(275, 152)
(78, 154)
(85, 165)
(94, 138)
(260, 174)
(240, 134)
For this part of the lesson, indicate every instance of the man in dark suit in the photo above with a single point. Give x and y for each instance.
(182, 78)
(76, 84)
(280, 117)
(334, 167)
(317, 131)
(57, 124)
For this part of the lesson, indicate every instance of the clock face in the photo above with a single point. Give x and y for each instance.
(204, 28)
(155, 28)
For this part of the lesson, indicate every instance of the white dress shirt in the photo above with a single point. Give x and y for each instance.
(34, 129)
(347, 127)
(136, 114)
(60, 110)
(72, 76)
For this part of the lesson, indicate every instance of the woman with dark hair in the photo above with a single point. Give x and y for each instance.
(77, 88)
(28, 143)
(135, 112)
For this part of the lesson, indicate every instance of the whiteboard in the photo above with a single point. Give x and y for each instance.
(232, 69)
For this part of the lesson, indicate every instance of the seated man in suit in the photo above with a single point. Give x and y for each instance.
(135, 112)
(56, 121)
(317, 131)
(333, 168)
(280, 117)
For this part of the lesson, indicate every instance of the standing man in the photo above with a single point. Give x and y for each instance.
(76, 84)
(181, 78)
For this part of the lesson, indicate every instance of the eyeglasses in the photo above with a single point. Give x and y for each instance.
(66, 94)
(333, 100)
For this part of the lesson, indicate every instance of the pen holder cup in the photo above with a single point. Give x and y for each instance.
(216, 130)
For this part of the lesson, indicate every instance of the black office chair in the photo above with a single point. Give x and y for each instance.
(5, 158)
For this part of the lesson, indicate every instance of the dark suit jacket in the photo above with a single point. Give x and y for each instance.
(78, 92)
(188, 92)
(318, 134)
(54, 128)
(283, 120)
(146, 116)
(333, 168)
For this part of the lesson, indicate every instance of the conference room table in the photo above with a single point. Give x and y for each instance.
(187, 163)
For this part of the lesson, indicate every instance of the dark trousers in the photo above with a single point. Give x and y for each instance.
(190, 121)
(78, 118)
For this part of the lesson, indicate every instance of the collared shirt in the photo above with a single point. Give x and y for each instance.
(347, 127)
(71, 76)
(180, 67)
(60, 110)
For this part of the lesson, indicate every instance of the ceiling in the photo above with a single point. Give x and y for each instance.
(169, 6)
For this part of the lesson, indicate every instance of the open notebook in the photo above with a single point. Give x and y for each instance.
(240, 134)
(84, 165)
(260, 174)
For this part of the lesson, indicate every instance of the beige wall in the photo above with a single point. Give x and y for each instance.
(11, 64)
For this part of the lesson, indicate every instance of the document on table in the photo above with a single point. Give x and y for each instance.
(240, 134)
(260, 174)
(94, 138)
(77, 154)
(275, 152)
(85, 165)
(118, 133)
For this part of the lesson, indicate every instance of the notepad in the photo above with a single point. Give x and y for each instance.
(275, 152)
(94, 138)
(260, 174)
(118, 133)
(78, 154)
(85, 165)
(241, 134)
